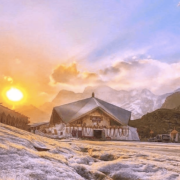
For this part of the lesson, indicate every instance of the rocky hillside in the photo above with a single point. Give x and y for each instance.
(139, 102)
(172, 101)
(177, 108)
(160, 121)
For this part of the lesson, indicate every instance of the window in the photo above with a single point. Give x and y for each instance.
(96, 119)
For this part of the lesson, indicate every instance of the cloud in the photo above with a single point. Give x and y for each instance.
(160, 77)
(65, 74)
(36, 37)
(9, 79)
(70, 75)
(17, 61)
(90, 76)
(178, 4)
(43, 94)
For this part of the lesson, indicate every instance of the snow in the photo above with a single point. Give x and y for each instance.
(72, 159)
(142, 102)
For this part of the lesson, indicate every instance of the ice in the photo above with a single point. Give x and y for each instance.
(72, 159)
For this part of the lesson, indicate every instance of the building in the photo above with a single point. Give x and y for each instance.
(92, 118)
(174, 136)
(12, 118)
(38, 126)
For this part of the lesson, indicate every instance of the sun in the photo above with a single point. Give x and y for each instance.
(14, 94)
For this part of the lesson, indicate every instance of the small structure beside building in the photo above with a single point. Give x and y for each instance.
(92, 118)
(151, 133)
(13, 118)
(174, 136)
(160, 138)
(39, 126)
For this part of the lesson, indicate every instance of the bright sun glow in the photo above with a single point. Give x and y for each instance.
(14, 94)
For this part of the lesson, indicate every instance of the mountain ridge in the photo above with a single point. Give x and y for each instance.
(34, 113)
(138, 101)
(172, 101)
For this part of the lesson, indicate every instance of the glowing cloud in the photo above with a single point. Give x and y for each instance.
(9, 79)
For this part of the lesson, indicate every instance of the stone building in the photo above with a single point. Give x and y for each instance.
(92, 118)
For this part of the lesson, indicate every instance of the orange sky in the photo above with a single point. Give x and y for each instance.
(46, 46)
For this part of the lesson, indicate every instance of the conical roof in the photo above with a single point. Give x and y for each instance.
(73, 111)
(174, 132)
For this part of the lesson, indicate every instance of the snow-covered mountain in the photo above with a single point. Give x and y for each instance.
(139, 102)
(143, 101)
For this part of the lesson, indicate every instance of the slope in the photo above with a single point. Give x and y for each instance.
(161, 121)
(172, 101)
(35, 114)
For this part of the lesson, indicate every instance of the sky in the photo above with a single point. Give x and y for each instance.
(47, 46)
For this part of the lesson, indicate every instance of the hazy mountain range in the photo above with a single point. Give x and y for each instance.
(139, 102)
(34, 113)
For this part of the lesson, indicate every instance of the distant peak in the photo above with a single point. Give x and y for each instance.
(177, 90)
(146, 91)
(98, 88)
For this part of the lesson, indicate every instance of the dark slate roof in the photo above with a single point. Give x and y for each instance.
(73, 111)
(38, 124)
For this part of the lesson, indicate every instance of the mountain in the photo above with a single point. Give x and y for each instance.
(47, 107)
(161, 121)
(177, 108)
(65, 96)
(139, 102)
(35, 114)
(172, 101)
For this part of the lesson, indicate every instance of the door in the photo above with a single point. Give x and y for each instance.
(73, 133)
(98, 134)
(79, 134)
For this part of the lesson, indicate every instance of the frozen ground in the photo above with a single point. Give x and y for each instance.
(76, 160)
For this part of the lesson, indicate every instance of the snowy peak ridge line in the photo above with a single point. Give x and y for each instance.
(138, 101)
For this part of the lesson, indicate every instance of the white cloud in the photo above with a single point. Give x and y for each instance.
(178, 4)
(159, 77)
